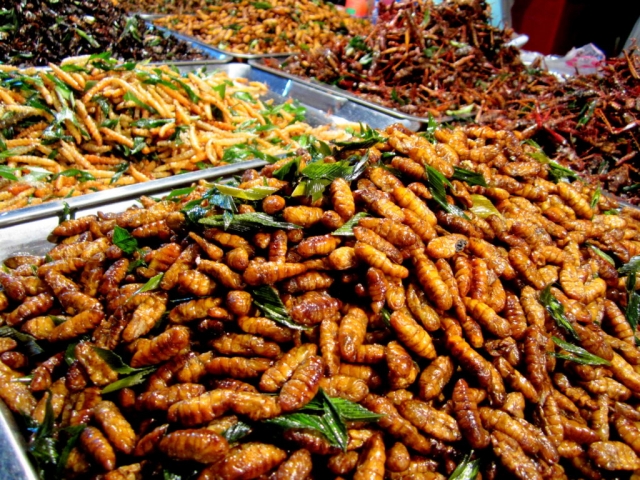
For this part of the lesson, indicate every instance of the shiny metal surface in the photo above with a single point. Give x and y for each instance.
(208, 50)
(261, 65)
(14, 464)
(52, 210)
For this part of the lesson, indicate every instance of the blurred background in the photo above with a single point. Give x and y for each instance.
(555, 26)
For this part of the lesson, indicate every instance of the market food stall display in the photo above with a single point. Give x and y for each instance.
(399, 253)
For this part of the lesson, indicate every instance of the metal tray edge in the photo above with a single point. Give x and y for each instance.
(198, 42)
(257, 63)
(213, 53)
(13, 464)
(57, 207)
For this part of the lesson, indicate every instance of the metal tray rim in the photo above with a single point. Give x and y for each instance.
(57, 207)
(351, 96)
(222, 56)
(196, 41)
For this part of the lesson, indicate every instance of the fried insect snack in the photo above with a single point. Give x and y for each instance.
(91, 123)
(278, 26)
(430, 345)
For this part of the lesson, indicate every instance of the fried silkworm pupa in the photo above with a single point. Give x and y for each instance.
(248, 460)
(199, 445)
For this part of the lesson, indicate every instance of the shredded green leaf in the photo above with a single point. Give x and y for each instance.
(327, 416)
(236, 432)
(472, 178)
(631, 267)
(30, 344)
(244, 222)
(578, 354)
(267, 299)
(252, 194)
(135, 379)
(483, 207)
(347, 228)
(601, 254)
(467, 469)
(556, 310)
(124, 240)
(596, 197)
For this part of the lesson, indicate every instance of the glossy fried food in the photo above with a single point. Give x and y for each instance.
(447, 345)
(278, 26)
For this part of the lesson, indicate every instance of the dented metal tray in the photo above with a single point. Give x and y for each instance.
(262, 65)
(323, 108)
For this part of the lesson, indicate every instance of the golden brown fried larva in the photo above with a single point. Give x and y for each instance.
(396, 233)
(467, 415)
(199, 445)
(308, 281)
(342, 198)
(276, 376)
(145, 316)
(303, 384)
(343, 258)
(371, 238)
(201, 409)
(398, 458)
(271, 272)
(96, 367)
(168, 344)
(239, 302)
(222, 273)
(430, 420)
(431, 282)
(446, 246)
(273, 204)
(373, 460)
(513, 458)
(76, 326)
(613, 456)
(472, 361)
(397, 425)
(265, 327)
(248, 460)
(297, 467)
(245, 345)
(192, 309)
(311, 307)
(352, 332)
(378, 259)
(303, 216)
(343, 386)
(412, 335)
(256, 406)
(163, 398)
(117, 429)
(402, 370)
(574, 200)
(435, 376)
(30, 308)
(420, 308)
(380, 203)
(97, 446)
(319, 245)
(488, 318)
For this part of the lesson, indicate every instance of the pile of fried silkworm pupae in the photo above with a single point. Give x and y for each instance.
(426, 338)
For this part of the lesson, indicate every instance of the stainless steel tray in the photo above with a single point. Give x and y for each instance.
(31, 237)
(260, 64)
(213, 53)
(204, 45)
(322, 108)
